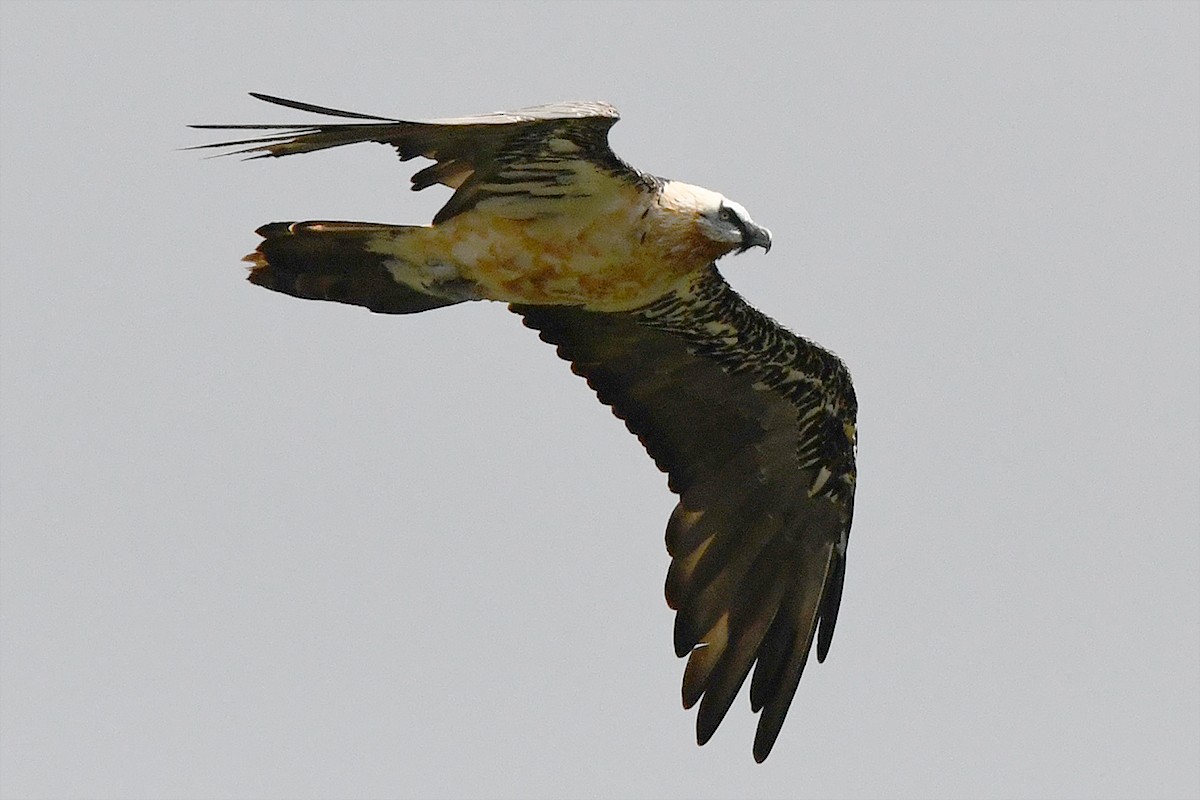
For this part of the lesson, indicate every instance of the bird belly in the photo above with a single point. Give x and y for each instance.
(608, 261)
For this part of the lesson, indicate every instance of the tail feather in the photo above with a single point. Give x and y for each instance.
(331, 261)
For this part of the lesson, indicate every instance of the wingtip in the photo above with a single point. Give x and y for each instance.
(270, 98)
(764, 741)
(704, 732)
(685, 640)
(299, 105)
(202, 147)
(274, 99)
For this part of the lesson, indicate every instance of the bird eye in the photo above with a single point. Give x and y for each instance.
(728, 214)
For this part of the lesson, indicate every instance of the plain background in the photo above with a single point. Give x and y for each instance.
(258, 547)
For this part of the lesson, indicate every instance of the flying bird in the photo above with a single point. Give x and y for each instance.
(754, 426)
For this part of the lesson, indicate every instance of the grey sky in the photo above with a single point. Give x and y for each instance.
(257, 547)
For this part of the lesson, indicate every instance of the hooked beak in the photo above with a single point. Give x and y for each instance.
(754, 236)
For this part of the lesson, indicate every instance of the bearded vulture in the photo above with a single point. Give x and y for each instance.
(754, 426)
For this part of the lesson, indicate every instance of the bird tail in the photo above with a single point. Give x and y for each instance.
(337, 261)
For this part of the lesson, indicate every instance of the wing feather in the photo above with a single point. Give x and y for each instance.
(537, 152)
(801, 609)
(743, 424)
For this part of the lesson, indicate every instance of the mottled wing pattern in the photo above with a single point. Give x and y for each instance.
(755, 428)
(543, 152)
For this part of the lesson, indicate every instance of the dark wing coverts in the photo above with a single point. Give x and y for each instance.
(755, 428)
(480, 157)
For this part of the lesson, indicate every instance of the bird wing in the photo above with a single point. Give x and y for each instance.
(755, 428)
(543, 152)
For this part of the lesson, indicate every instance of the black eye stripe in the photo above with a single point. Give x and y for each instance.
(729, 215)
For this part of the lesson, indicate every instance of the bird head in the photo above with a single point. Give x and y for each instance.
(722, 223)
(731, 222)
